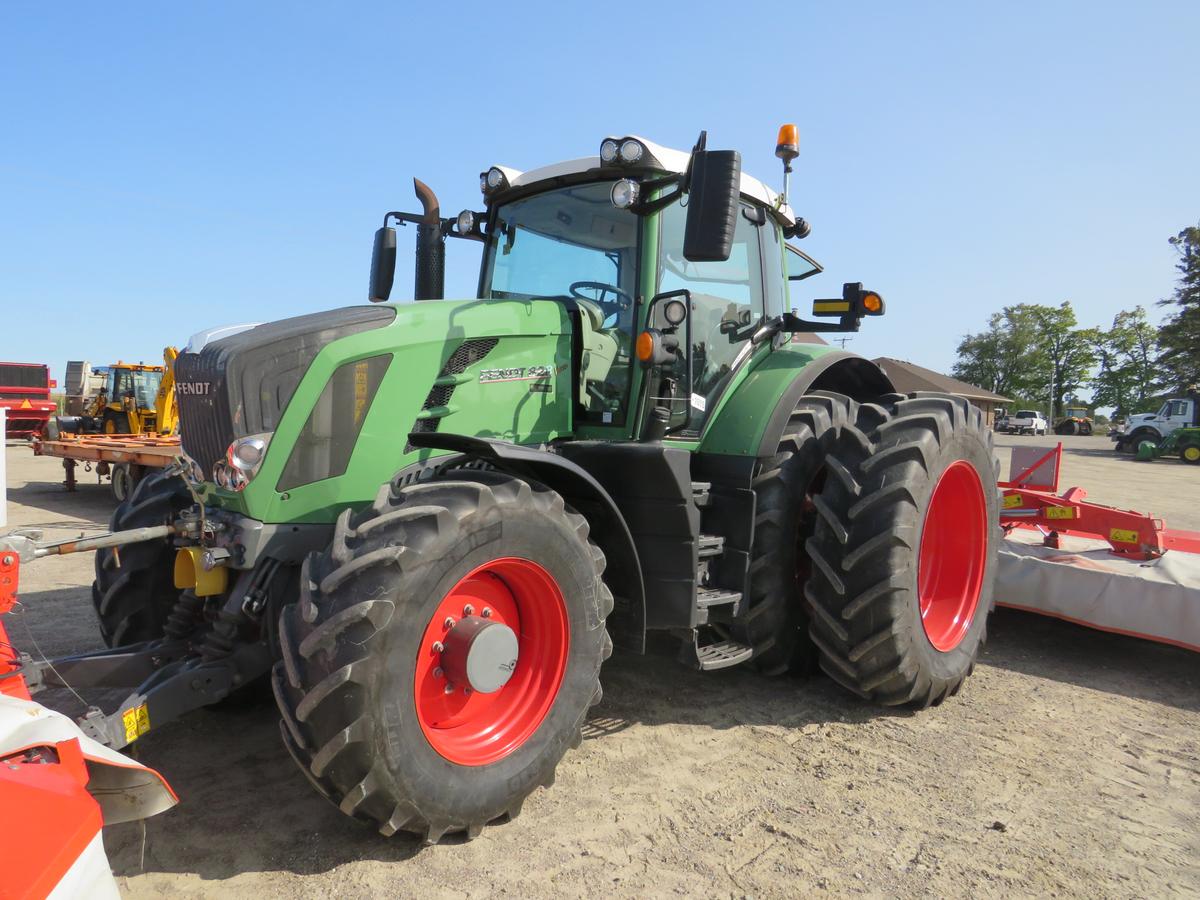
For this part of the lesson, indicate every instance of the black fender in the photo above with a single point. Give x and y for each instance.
(609, 529)
(840, 371)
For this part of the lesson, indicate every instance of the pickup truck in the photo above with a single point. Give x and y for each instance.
(1024, 421)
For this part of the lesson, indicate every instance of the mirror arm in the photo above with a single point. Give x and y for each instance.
(645, 209)
(402, 217)
(791, 322)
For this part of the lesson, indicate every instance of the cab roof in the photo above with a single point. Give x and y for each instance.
(662, 159)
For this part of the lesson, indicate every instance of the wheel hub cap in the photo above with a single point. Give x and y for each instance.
(480, 653)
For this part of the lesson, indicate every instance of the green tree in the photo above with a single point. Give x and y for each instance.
(1128, 378)
(1179, 335)
(1000, 358)
(1067, 354)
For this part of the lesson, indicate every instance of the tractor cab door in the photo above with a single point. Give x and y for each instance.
(728, 304)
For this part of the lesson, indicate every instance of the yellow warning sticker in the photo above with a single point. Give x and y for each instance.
(25, 404)
(129, 718)
(1059, 512)
(1123, 536)
(136, 722)
(1011, 500)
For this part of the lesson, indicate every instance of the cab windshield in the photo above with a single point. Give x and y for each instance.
(573, 243)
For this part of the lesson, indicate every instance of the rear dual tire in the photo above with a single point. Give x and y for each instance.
(776, 623)
(904, 549)
(357, 686)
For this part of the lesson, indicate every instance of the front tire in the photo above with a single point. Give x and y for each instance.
(372, 711)
(904, 552)
(115, 422)
(1131, 442)
(134, 590)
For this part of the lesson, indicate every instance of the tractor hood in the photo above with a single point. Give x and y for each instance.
(241, 384)
(333, 396)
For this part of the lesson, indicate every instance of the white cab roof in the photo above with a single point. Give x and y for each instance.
(672, 160)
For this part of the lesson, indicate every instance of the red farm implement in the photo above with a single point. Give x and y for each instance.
(25, 396)
(1030, 501)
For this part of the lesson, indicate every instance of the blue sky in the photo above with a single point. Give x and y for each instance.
(169, 167)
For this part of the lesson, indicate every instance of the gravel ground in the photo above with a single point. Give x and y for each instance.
(1069, 765)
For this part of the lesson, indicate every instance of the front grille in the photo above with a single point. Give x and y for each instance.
(205, 422)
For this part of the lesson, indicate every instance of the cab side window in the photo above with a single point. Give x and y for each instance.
(727, 299)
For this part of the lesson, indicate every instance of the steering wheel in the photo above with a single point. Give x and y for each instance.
(622, 301)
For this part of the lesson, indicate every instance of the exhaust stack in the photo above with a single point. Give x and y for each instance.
(430, 278)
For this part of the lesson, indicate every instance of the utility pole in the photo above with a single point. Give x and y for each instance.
(1052, 374)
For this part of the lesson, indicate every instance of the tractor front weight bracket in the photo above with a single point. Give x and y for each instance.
(166, 677)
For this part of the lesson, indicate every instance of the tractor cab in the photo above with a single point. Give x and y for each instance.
(681, 250)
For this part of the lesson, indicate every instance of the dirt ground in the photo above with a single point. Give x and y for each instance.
(1069, 766)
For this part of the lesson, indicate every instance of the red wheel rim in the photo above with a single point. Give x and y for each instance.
(472, 728)
(953, 556)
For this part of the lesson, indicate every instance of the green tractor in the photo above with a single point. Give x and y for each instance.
(1182, 442)
(428, 523)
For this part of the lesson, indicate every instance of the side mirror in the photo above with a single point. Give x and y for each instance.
(713, 195)
(383, 265)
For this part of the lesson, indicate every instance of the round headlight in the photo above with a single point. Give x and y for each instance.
(608, 151)
(674, 311)
(625, 193)
(247, 454)
(495, 178)
(631, 151)
(465, 223)
(221, 474)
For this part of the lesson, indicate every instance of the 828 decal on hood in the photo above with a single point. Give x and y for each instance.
(522, 373)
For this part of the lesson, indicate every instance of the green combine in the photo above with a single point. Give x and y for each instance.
(427, 523)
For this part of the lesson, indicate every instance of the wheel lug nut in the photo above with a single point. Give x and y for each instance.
(449, 689)
(449, 623)
(468, 609)
(438, 646)
(487, 613)
(438, 673)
